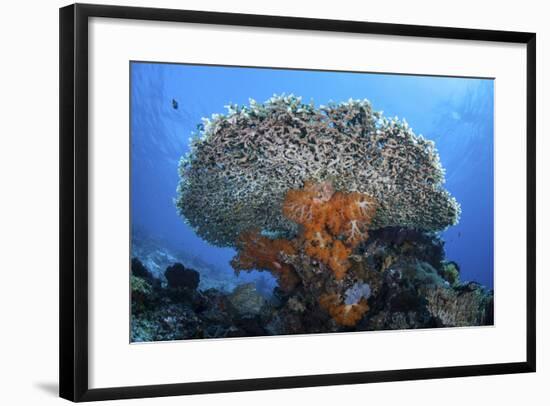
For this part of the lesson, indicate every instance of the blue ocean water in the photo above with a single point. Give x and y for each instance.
(169, 100)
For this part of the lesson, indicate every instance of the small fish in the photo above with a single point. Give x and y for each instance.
(459, 234)
(174, 104)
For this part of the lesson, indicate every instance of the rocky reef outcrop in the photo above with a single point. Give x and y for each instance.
(180, 277)
(400, 276)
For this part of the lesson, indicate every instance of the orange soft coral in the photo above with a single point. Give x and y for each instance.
(344, 314)
(332, 225)
(317, 244)
(256, 251)
(338, 260)
(307, 205)
(350, 215)
(333, 222)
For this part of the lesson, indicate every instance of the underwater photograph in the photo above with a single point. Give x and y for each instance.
(269, 201)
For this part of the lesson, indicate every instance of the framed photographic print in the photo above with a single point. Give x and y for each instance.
(350, 202)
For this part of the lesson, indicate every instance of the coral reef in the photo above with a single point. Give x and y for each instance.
(465, 306)
(332, 224)
(141, 291)
(156, 254)
(344, 314)
(337, 204)
(242, 164)
(162, 312)
(407, 291)
(246, 300)
(256, 251)
(451, 272)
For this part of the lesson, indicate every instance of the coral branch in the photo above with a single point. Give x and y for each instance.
(256, 251)
(332, 224)
(344, 314)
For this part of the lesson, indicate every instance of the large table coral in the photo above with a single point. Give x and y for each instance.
(242, 164)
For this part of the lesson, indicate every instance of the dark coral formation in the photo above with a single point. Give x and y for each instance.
(399, 275)
(178, 276)
(177, 311)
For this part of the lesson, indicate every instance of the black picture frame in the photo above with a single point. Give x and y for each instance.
(73, 79)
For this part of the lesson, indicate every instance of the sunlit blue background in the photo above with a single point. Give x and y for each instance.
(457, 113)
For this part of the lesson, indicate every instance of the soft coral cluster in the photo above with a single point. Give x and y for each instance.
(256, 251)
(332, 224)
(344, 314)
